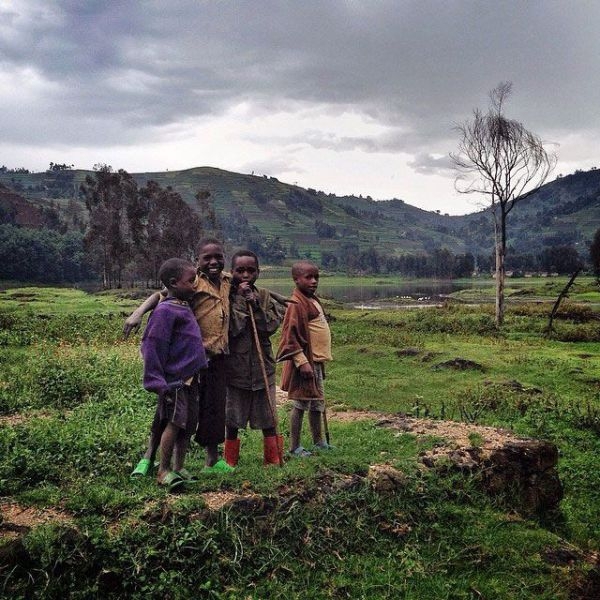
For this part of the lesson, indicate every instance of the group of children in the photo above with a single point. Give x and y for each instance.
(207, 355)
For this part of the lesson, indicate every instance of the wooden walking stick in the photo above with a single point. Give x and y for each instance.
(325, 425)
(263, 369)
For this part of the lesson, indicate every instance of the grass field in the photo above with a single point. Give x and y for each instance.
(74, 419)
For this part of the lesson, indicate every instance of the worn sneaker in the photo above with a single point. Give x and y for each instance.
(299, 452)
(322, 446)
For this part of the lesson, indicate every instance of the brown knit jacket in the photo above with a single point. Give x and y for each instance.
(295, 338)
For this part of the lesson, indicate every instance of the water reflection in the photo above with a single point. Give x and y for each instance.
(425, 291)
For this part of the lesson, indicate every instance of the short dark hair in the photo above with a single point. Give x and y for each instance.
(299, 266)
(244, 253)
(207, 241)
(173, 268)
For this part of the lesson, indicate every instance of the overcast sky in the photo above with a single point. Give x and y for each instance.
(343, 96)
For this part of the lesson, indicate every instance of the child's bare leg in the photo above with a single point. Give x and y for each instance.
(167, 443)
(269, 432)
(212, 454)
(314, 420)
(180, 449)
(296, 417)
(152, 448)
(154, 439)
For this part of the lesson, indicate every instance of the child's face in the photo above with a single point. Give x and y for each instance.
(307, 280)
(184, 287)
(244, 269)
(211, 261)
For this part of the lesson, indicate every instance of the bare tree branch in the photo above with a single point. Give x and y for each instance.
(500, 159)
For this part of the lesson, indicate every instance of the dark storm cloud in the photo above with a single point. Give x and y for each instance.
(114, 71)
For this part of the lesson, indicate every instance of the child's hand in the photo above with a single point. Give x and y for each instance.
(306, 371)
(245, 290)
(132, 324)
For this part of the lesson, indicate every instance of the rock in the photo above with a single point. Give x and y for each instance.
(410, 351)
(400, 422)
(515, 385)
(460, 364)
(526, 470)
(385, 478)
(522, 471)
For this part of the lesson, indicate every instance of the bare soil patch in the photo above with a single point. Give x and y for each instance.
(217, 500)
(455, 434)
(17, 519)
(349, 416)
(19, 418)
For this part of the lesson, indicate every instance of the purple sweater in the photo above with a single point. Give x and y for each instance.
(172, 347)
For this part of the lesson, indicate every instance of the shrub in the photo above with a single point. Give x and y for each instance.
(579, 333)
(65, 376)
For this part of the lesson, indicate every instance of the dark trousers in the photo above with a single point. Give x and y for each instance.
(213, 391)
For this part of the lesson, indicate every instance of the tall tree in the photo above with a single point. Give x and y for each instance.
(563, 260)
(442, 263)
(464, 265)
(207, 211)
(500, 158)
(107, 197)
(41, 255)
(172, 228)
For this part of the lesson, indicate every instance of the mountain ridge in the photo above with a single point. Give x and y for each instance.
(565, 211)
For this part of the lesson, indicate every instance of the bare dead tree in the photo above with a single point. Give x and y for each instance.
(563, 294)
(499, 158)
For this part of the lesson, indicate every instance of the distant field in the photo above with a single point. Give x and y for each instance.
(335, 286)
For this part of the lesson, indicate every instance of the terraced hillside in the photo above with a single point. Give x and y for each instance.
(565, 211)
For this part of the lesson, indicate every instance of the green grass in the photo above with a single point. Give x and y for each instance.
(53, 301)
(75, 421)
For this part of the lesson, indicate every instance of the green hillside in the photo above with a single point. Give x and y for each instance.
(565, 211)
(276, 209)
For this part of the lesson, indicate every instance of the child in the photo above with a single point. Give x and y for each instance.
(304, 347)
(173, 356)
(210, 304)
(247, 399)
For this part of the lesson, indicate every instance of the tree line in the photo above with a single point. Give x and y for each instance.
(42, 255)
(130, 230)
(442, 263)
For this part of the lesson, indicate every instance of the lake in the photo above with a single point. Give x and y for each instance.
(362, 292)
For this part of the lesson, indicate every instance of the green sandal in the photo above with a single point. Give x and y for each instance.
(143, 469)
(219, 467)
(186, 476)
(171, 480)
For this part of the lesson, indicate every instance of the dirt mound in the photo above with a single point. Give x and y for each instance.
(522, 470)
